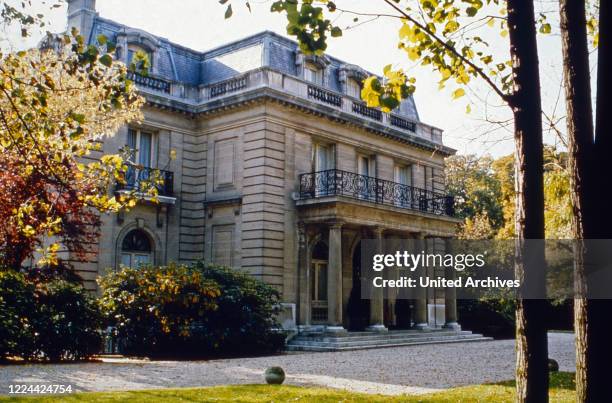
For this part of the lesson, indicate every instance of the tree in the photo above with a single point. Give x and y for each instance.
(484, 192)
(587, 155)
(477, 192)
(56, 106)
(433, 32)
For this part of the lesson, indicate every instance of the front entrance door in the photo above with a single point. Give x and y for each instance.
(358, 310)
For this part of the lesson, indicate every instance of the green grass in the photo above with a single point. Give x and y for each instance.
(562, 390)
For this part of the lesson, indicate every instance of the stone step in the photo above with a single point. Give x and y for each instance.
(327, 347)
(381, 341)
(364, 336)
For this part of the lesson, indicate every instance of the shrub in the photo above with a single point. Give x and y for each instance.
(190, 312)
(245, 321)
(17, 308)
(46, 317)
(69, 321)
(154, 309)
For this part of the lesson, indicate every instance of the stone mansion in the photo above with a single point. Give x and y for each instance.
(280, 170)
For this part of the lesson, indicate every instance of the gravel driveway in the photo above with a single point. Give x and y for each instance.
(413, 369)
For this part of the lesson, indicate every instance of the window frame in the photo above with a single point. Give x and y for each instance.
(133, 48)
(313, 73)
(136, 151)
(351, 85)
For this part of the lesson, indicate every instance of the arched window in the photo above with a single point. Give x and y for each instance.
(136, 249)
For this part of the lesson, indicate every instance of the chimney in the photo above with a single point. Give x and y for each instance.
(81, 15)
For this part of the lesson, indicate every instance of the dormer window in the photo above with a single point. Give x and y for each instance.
(353, 88)
(351, 78)
(313, 73)
(131, 42)
(133, 51)
(313, 68)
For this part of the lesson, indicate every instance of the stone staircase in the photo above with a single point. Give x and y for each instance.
(319, 342)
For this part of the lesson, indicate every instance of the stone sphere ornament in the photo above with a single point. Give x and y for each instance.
(553, 366)
(275, 376)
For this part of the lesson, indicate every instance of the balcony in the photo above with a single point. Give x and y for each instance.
(229, 86)
(137, 180)
(153, 83)
(335, 182)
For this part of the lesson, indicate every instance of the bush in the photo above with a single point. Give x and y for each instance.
(190, 312)
(154, 309)
(46, 317)
(69, 321)
(245, 321)
(491, 317)
(17, 308)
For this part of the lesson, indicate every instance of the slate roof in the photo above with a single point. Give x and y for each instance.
(264, 49)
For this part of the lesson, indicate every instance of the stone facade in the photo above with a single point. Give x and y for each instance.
(280, 170)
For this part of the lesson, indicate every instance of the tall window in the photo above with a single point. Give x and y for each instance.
(366, 185)
(353, 88)
(366, 165)
(403, 176)
(141, 144)
(313, 73)
(324, 157)
(429, 178)
(318, 285)
(323, 162)
(136, 249)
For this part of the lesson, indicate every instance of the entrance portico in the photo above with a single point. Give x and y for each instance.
(340, 224)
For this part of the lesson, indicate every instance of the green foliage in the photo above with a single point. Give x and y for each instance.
(485, 195)
(476, 190)
(154, 309)
(69, 322)
(46, 317)
(58, 104)
(244, 322)
(308, 24)
(189, 312)
(17, 305)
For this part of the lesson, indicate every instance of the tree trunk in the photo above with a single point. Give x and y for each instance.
(580, 134)
(526, 104)
(592, 316)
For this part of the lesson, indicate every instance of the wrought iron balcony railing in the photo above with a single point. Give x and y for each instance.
(335, 182)
(140, 179)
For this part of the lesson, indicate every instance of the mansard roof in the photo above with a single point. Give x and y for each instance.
(265, 49)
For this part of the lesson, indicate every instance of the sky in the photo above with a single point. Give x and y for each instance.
(371, 43)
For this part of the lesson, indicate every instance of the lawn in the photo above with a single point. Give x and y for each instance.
(562, 390)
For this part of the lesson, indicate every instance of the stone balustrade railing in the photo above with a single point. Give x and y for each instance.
(290, 85)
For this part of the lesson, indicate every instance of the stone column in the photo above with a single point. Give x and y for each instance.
(377, 306)
(303, 283)
(420, 306)
(450, 295)
(334, 282)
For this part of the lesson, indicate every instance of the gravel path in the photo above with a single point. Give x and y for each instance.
(413, 369)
